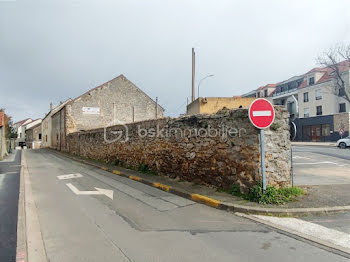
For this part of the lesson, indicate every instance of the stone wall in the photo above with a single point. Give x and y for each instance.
(220, 149)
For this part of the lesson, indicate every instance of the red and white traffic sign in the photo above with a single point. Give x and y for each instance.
(261, 113)
(341, 132)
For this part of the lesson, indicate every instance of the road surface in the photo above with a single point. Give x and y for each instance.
(80, 221)
(9, 191)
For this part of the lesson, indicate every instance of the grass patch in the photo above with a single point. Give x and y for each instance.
(272, 195)
(145, 169)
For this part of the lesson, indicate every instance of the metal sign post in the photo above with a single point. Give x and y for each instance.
(262, 151)
(261, 114)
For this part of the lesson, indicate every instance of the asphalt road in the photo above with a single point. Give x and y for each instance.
(142, 223)
(321, 165)
(9, 191)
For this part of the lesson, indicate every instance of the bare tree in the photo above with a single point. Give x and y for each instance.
(331, 59)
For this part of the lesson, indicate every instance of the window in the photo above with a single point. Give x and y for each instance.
(39, 136)
(306, 112)
(306, 97)
(290, 106)
(318, 94)
(258, 94)
(265, 93)
(342, 107)
(45, 138)
(326, 130)
(318, 110)
(311, 81)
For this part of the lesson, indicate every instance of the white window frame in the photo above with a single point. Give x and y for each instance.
(306, 109)
(318, 96)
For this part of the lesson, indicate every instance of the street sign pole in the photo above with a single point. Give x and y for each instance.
(262, 154)
(261, 114)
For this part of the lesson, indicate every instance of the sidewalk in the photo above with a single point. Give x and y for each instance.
(313, 143)
(318, 200)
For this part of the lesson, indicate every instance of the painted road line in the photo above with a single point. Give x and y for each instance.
(100, 191)
(262, 113)
(300, 157)
(161, 186)
(69, 176)
(205, 200)
(332, 236)
(135, 178)
(316, 163)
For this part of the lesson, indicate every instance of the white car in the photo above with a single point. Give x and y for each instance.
(344, 142)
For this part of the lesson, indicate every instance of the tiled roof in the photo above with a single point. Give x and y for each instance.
(343, 66)
(21, 122)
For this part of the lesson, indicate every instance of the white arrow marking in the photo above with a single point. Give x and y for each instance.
(69, 176)
(100, 191)
(261, 113)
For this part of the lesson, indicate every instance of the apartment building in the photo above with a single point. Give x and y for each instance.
(315, 104)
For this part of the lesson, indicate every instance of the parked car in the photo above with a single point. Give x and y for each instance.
(344, 142)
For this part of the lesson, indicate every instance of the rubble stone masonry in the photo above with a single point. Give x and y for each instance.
(219, 150)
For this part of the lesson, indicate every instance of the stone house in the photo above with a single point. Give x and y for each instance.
(211, 105)
(117, 101)
(34, 136)
(47, 124)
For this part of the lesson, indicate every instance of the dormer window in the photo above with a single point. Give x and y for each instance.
(265, 93)
(311, 81)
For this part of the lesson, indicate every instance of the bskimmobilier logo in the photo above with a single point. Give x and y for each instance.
(111, 135)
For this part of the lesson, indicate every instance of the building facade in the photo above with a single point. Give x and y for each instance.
(47, 124)
(211, 105)
(316, 105)
(34, 136)
(118, 101)
(20, 128)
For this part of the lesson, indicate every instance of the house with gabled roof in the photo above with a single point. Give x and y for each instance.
(117, 101)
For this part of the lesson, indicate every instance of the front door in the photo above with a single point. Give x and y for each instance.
(316, 133)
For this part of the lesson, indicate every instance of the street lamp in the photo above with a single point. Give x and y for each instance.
(201, 82)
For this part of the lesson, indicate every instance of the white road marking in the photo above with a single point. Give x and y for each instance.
(316, 163)
(314, 230)
(70, 176)
(100, 191)
(301, 157)
(261, 113)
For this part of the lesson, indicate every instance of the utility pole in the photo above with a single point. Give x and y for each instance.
(193, 73)
(133, 113)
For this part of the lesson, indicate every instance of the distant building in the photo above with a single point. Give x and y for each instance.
(211, 105)
(315, 105)
(20, 129)
(47, 124)
(34, 135)
(114, 102)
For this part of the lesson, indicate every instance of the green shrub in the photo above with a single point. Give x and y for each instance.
(143, 168)
(272, 195)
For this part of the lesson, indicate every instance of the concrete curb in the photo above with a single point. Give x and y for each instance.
(21, 249)
(281, 212)
(34, 242)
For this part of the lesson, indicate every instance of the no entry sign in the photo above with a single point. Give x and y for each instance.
(261, 113)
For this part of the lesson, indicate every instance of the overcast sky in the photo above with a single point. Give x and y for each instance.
(53, 50)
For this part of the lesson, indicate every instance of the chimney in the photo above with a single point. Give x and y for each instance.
(50, 106)
(193, 73)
